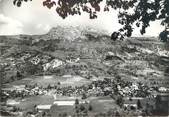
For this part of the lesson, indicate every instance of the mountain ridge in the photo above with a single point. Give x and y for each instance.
(80, 51)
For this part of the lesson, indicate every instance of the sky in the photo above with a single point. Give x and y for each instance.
(32, 18)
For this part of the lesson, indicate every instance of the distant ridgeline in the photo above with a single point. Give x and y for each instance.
(72, 33)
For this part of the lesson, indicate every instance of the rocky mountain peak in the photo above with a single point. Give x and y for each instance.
(71, 33)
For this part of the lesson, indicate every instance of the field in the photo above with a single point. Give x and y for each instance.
(29, 103)
(99, 104)
(103, 104)
(44, 81)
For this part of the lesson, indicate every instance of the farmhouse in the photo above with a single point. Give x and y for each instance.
(12, 102)
(19, 87)
(43, 107)
(67, 76)
(64, 103)
(130, 104)
(69, 102)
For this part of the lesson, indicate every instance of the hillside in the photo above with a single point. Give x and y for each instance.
(81, 51)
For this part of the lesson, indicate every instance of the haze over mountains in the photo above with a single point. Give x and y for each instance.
(82, 51)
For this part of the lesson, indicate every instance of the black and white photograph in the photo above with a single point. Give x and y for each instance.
(84, 58)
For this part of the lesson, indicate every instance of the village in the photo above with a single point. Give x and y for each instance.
(128, 96)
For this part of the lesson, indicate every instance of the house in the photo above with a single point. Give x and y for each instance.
(84, 101)
(19, 87)
(162, 89)
(43, 107)
(67, 76)
(72, 59)
(12, 102)
(69, 102)
(35, 60)
(64, 103)
(130, 103)
(53, 64)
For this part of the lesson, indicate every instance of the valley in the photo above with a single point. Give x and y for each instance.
(70, 64)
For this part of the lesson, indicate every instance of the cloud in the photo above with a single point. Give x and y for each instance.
(9, 26)
(44, 28)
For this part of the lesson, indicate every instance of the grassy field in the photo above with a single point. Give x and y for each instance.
(64, 81)
(99, 104)
(30, 102)
(103, 104)
(44, 81)
(56, 110)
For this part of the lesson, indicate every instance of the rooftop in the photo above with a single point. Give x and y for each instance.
(65, 103)
(44, 107)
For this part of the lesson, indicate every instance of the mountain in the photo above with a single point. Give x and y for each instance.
(70, 33)
(82, 51)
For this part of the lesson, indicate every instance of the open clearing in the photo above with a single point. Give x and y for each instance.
(64, 81)
(44, 81)
(29, 103)
(103, 104)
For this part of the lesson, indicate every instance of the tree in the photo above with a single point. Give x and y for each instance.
(59, 83)
(76, 102)
(31, 69)
(120, 101)
(84, 96)
(82, 108)
(139, 105)
(158, 100)
(18, 75)
(64, 114)
(90, 107)
(49, 86)
(164, 35)
(144, 12)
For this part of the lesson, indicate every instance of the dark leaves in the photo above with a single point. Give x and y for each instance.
(49, 4)
(18, 3)
(164, 36)
(114, 36)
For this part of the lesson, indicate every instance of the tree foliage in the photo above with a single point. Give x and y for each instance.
(132, 13)
(139, 105)
(76, 102)
(120, 101)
